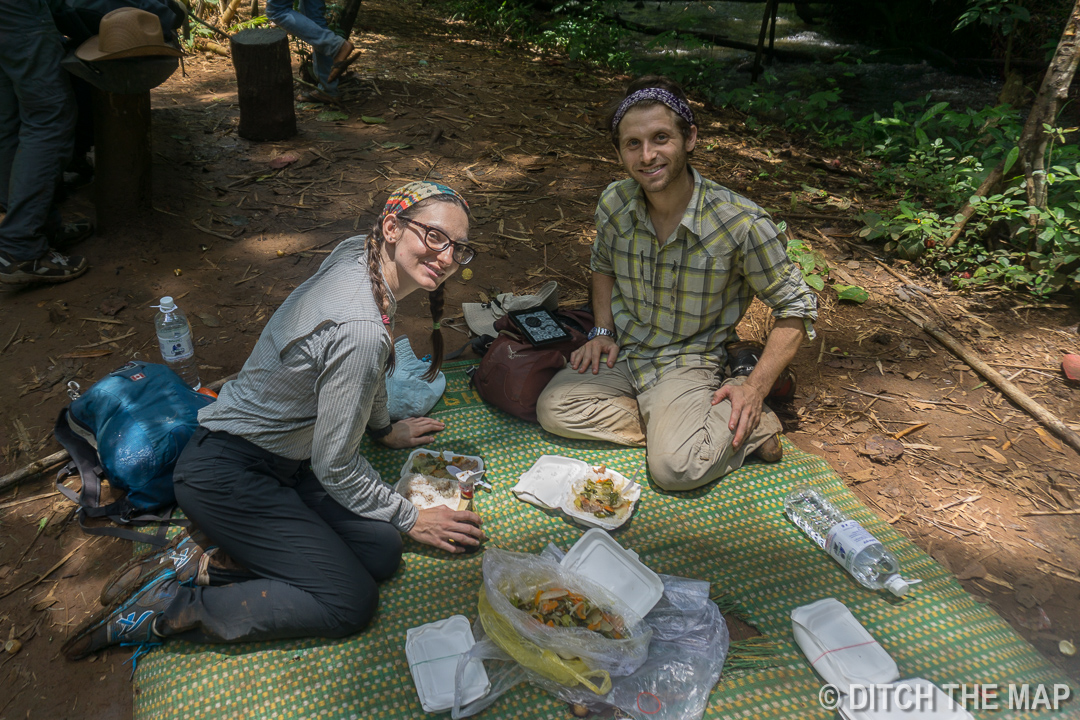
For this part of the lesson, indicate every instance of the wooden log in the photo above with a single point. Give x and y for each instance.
(122, 167)
(1018, 396)
(38, 466)
(264, 84)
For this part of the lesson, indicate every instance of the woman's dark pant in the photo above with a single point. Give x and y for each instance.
(315, 564)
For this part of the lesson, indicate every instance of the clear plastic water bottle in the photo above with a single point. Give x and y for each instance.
(848, 542)
(174, 338)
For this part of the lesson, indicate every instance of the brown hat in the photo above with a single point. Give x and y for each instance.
(126, 32)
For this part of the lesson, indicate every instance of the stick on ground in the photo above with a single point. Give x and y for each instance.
(1010, 391)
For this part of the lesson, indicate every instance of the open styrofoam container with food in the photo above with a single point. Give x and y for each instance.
(434, 463)
(545, 483)
(598, 557)
(426, 482)
(601, 498)
(432, 652)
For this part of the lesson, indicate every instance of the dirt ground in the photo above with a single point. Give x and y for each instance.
(935, 450)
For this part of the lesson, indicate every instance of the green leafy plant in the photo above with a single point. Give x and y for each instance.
(812, 263)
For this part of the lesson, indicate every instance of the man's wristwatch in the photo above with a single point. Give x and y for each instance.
(598, 331)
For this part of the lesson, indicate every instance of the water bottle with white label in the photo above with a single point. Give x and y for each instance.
(174, 338)
(848, 542)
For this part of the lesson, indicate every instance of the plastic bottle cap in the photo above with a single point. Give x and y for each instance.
(166, 304)
(896, 585)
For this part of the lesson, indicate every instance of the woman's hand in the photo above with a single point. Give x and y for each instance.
(439, 525)
(411, 432)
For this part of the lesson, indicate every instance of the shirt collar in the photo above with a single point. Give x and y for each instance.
(691, 218)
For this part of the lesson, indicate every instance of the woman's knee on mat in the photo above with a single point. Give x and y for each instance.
(386, 559)
(354, 616)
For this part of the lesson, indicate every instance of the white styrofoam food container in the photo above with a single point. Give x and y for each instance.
(902, 700)
(401, 487)
(432, 651)
(607, 563)
(445, 455)
(628, 489)
(839, 647)
(546, 481)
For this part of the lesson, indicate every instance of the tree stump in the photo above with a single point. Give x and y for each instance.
(121, 156)
(264, 84)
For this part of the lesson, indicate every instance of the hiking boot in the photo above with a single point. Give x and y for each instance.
(770, 451)
(743, 357)
(183, 556)
(52, 267)
(127, 623)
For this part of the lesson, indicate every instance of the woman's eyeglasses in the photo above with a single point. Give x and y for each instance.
(438, 241)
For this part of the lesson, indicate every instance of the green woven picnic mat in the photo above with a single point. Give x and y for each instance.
(732, 534)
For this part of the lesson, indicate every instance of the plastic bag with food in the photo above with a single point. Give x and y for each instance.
(688, 643)
(555, 624)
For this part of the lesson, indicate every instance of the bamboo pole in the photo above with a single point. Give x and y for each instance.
(230, 12)
(1018, 396)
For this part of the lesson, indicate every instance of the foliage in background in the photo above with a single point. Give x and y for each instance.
(931, 157)
(810, 261)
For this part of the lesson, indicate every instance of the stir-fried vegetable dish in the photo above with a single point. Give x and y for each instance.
(435, 465)
(599, 495)
(558, 607)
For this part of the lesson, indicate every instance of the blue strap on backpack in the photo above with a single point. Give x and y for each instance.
(129, 429)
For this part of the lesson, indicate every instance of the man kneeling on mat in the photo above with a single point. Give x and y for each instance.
(274, 476)
(676, 262)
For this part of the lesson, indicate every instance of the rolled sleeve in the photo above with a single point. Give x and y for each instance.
(775, 279)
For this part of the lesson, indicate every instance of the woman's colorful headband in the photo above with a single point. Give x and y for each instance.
(408, 195)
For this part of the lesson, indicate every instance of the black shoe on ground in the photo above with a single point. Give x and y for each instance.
(127, 623)
(52, 267)
(71, 234)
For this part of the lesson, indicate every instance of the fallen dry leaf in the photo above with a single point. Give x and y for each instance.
(973, 570)
(881, 449)
(995, 455)
(283, 160)
(861, 476)
(1047, 440)
(908, 431)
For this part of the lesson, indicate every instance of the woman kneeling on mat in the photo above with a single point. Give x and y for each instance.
(273, 475)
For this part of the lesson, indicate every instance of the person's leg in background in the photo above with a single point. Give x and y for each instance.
(309, 24)
(35, 146)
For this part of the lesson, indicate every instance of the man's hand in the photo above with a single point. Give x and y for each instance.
(589, 354)
(439, 525)
(746, 401)
(411, 432)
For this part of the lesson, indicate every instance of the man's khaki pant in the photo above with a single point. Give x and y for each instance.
(686, 437)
